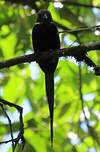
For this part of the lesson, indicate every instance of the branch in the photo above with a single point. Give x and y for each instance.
(10, 125)
(91, 130)
(21, 129)
(17, 60)
(78, 52)
(83, 29)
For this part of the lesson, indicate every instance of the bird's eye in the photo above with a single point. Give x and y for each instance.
(45, 16)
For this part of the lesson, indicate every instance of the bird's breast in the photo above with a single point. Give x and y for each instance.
(46, 37)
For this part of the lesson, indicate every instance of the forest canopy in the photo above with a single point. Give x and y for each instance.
(77, 88)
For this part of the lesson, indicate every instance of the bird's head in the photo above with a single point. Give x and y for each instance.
(44, 16)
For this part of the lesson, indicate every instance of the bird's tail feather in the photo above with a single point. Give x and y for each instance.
(49, 82)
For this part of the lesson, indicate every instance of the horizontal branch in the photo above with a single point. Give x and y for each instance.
(83, 29)
(17, 60)
(78, 52)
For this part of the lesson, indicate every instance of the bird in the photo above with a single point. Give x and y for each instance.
(45, 37)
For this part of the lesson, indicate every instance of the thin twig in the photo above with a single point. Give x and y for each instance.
(7, 141)
(83, 29)
(81, 94)
(91, 130)
(10, 125)
(21, 130)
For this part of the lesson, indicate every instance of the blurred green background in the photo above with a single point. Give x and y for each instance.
(24, 84)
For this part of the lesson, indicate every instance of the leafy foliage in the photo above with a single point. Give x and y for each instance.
(24, 84)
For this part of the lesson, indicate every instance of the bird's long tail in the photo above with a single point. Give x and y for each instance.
(49, 82)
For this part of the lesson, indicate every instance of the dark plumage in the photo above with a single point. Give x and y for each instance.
(45, 37)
